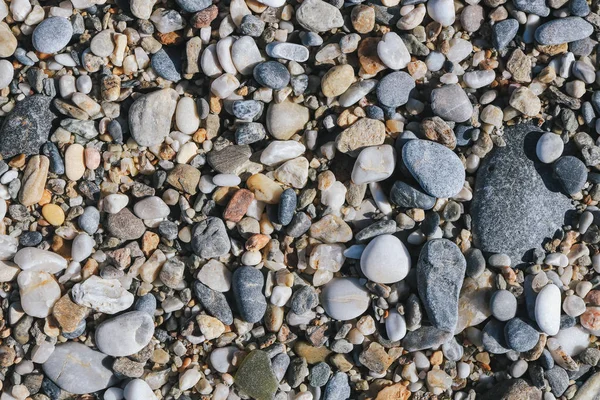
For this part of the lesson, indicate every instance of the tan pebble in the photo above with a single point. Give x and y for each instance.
(264, 188)
(53, 214)
(34, 180)
(92, 158)
(74, 162)
(337, 80)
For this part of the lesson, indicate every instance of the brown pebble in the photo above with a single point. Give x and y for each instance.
(202, 19)
(69, 314)
(238, 205)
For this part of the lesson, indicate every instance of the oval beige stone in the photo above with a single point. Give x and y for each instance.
(264, 188)
(74, 162)
(286, 119)
(8, 41)
(34, 180)
(337, 80)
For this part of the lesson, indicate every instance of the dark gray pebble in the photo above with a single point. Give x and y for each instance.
(167, 64)
(287, 206)
(247, 284)
(503, 32)
(404, 195)
(394, 89)
(571, 173)
(214, 302)
(272, 74)
(520, 335)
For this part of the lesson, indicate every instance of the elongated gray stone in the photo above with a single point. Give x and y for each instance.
(563, 30)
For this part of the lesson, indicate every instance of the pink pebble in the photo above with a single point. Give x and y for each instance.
(92, 158)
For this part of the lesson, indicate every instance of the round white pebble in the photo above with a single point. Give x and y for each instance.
(385, 260)
(549, 147)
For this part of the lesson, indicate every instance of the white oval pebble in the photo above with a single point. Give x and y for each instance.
(186, 116)
(547, 309)
(138, 389)
(34, 259)
(344, 298)
(549, 147)
(6, 73)
(385, 260)
(395, 326)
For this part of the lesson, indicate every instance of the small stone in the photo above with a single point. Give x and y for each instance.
(571, 173)
(441, 11)
(134, 330)
(331, 229)
(440, 273)
(247, 286)
(286, 118)
(8, 42)
(394, 89)
(337, 80)
(152, 207)
(319, 16)
(124, 225)
(563, 30)
(167, 64)
(185, 178)
(504, 32)
(374, 164)
(393, 52)
(437, 169)
(406, 196)
(385, 260)
(287, 51)
(344, 298)
(69, 314)
(451, 103)
(520, 336)
(209, 238)
(287, 206)
(39, 291)
(549, 147)
(471, 17)
(52, 35)
(214, 302)
(425, 337)
(503, 305)
(547, 309)
(150, 116)
(525, 101)
(255, 377)
(76, 368)
(210, 327)
(512, 389)
(138, 389)
(250, 132)
(363, 133)
(103, 295)
(272, 74)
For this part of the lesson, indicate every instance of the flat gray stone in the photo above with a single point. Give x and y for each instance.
(516, 203)
(76, 368)
(150, 117)
(563, 30)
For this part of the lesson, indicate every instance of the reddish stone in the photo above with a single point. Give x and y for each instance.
(238, 205)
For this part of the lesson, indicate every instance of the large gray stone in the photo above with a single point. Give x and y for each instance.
(517, 203)
(76, 368)
(150, 116)
(26, 127)
(512, 389)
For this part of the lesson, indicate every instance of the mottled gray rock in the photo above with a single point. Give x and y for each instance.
(150, 116)
(124, 225)
(450, 102)
(503, 32)
(318, 16)
(404, 195)
(337, 388)
(167, 64)
(394, 89)
(76, 368)
(516, 203)
(52, 35)
(214, 303)
(537, 7)
(247, 284)
(563, 30)
(425, 337)
(209, 238)
(571, 173)
(438, 169)
(512, 389)
(440, 274)
(26, 127)
(520, 335)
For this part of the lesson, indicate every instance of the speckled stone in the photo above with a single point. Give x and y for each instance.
(563, 30)
(517, 220)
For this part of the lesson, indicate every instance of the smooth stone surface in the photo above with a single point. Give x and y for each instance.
(152, 207)
(286, 118)
(571, 174)
(385, 260)
(438, 170)
(404, 195)
(549, 147)
(138, 389)
(255, 376)
(440, 274)
(124, 225)
(27, 126)
(450, 102)
(76, 368)
(425, 337)
(344, 298)
(247, 284)
(394, 89)
(133, 329)
(563, 30)
(548, 308)
(272, 74)
(512, 389)
(504, 32)
(150, 116)
(38, 291)
(503, 305)
(214, 302)
(374, 164)
(210, 239)
(493, 337)
(515, 221)
(520, 335)
(167, 64)
(319, 16)
(52, 35)
(34, 259)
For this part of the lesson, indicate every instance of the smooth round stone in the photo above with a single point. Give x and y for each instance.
(503, 305)
(574, 306)
(245, 55)
(392, 51)
(357, 91)
(221, 358)
(247, 284)
(571, 173)
(435, 61)
(38, 291)
(102, 44)
(471, 17)
(479, 79)
(52, 35)
(450, 102)
(287, 206)
(319, 16)
(272, 74)
(438, 169)
(547, 309)
(441, 11)
(8, 247)
(520, 336)
(344, 298)
(374, 164)
(34, 259)
(167, 64)
(395, 326)
(247, 109)
(286, 119)
(75, 162)
(152, 207)
(227, 180)
(337, 80)
(76, 368)
(186, 116)
(53, 214)
(224, 86)
(249, 132)
(287, 51)
(82, 247)
(459, 50)
(493, 337)
(385, 260)
(113, 203)
(549, 147)
(563, 30)
(6, 73)
(150, 116)
(134, 331)
(504, 32)
(394, 89)
(138, 389)
(404, 195)
(113, 393)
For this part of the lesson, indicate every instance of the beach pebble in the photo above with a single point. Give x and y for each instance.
(389, 266)
(52, 35)
(549, 147)
(134, 330)
(344, 298)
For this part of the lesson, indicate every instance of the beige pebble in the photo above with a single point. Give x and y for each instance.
(34, 180)
(92, 158)
(74, 164)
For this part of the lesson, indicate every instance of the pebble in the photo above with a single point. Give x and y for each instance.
(394, 89)
(404, 195)
(549, 147)
(520, 335)
(255, 377)
(374, 164)
(547, 309)
(152, 207)
(52, 35)
(39, 291)
(318, 16)
(451, 103)
(440, 273)
(82, 247)
(6, 73)
(437, 169)
(76, 368)
(74, 162)
(389, 266)
(504, 32)
(286, 118)
(503, 305)
(138, 389)
(344, 299)
(125, 225)
(287, 51)
(186, 116)
(563, 30)
(209, 238)
(214, 302)
(393, 52)
(247, 283)
(103, 295)
(287, 206)
(395, 326)
(272, 74)
(134, 330)
(34, 259)
(571, 173)
(150, 116)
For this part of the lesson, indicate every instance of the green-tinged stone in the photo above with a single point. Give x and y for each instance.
(255, 377)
